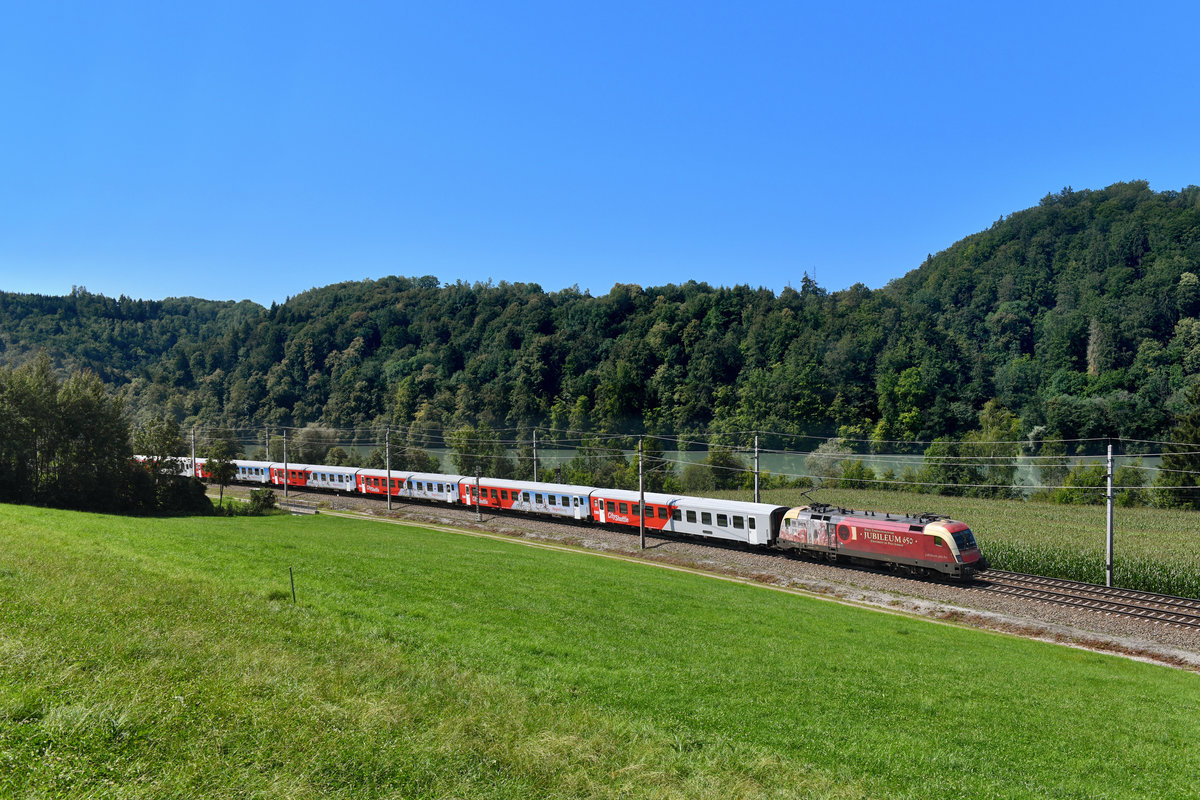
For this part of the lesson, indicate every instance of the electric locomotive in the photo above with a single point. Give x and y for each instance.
(926, 544)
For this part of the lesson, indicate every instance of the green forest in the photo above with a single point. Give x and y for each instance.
(1072, 320)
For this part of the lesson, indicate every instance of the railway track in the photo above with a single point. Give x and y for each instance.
(1161, 609)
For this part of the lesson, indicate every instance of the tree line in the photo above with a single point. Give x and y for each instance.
(67, 444)
(1077, 317)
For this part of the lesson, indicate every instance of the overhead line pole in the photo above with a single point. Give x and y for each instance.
(641, 499)
(286, 478)
(756, 468)
(387, 456)
(1108, 563)
(535, 475)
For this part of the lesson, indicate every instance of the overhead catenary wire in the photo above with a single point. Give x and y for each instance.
(600, 446)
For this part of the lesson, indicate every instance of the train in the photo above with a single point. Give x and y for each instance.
(921, 545)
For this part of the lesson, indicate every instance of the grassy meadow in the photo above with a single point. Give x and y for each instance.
(1155, 549)
(144, 658)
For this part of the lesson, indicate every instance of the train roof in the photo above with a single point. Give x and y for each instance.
(923, 518)
(313, 467)
(408, 475)
(535, 486)
(701, 503)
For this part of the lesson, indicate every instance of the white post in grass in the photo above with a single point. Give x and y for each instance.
(641, 499)
(387, 457)
(1108, 564)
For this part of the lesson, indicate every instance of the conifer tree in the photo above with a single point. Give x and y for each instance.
(1179, 482)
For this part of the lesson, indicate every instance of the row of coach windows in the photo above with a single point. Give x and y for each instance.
(704, 517)
(662, 512)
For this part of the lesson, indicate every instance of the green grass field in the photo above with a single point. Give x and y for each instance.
(164, 658)
(1157, 550)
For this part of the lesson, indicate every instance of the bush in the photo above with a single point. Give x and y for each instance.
(262, 501)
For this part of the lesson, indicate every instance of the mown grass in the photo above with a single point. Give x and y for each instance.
(1157, 550)
(164, 658)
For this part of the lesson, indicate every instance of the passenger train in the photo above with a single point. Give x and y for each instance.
(923, 545)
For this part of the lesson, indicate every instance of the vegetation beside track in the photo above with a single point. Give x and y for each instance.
(152, 657)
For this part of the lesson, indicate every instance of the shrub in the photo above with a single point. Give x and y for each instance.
(262, 501)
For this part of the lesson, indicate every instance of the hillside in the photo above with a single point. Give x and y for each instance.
(1078, 315)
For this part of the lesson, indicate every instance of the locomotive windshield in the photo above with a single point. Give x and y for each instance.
(965, 539)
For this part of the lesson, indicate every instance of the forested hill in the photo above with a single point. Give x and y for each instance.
(1078, 315)
(117, 339)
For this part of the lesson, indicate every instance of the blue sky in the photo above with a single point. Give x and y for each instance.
(255, 150)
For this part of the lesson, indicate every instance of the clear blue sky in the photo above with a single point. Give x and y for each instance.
(254, 150)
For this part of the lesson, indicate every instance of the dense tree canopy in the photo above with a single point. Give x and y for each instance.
(1076, 318)
(67, 444)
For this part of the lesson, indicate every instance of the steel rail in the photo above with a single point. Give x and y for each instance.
(1158, 608)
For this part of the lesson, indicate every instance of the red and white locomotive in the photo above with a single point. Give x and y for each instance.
(924, 545)
(927, 544)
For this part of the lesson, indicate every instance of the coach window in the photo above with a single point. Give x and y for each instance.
(551, 499)
(705, 518)
(624, 507)
(637, 510)
(722, 521)
(525, 496)
(663, 513)
(738, 523)
(752, 523)
(691, 516)
(611, 506)
(676, 514)
(504, 494)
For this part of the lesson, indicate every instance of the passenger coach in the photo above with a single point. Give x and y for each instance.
(733, 520)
